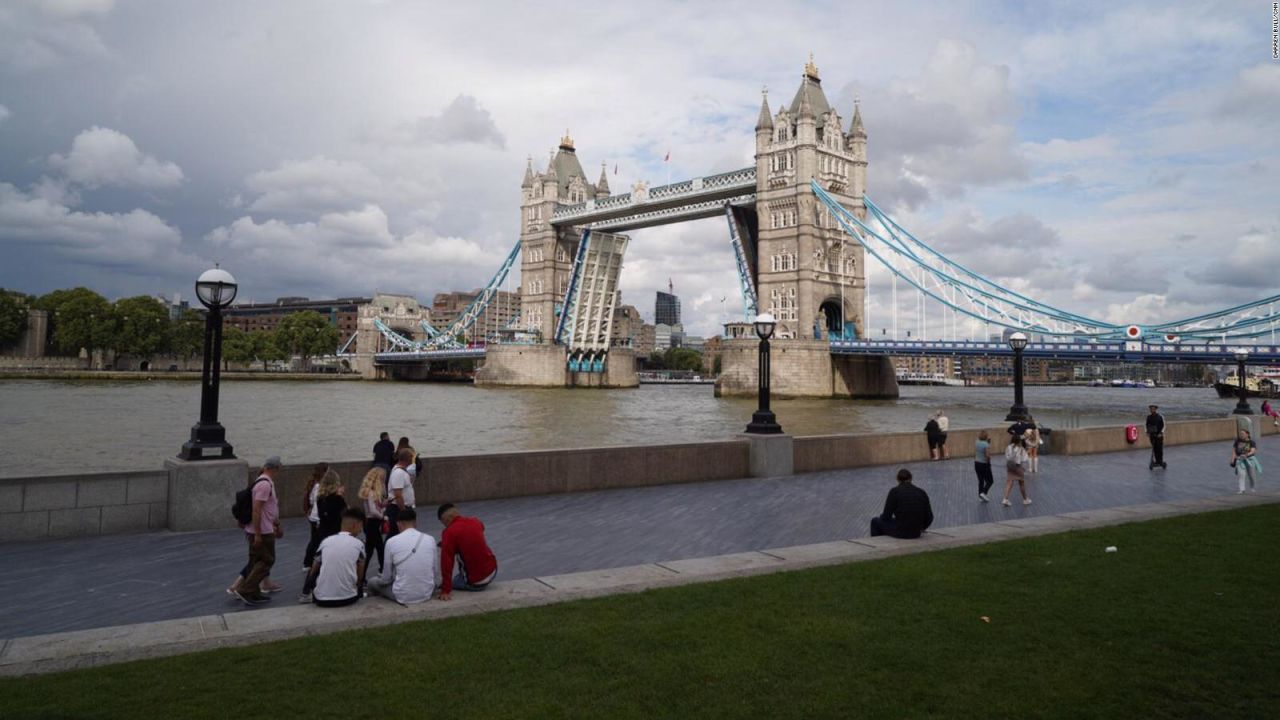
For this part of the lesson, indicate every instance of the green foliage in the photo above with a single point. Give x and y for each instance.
(266, 348)
(188, 334)
(1177, 624)
(307, 333)
(683, 359)
(237, 347)
(13, 317)
(80, 318)
(142, 326)
(676, 358)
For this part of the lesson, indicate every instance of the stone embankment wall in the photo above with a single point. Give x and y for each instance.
(93, 504)
(97, 504)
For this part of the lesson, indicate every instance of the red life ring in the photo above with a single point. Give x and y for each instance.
(1131, 434)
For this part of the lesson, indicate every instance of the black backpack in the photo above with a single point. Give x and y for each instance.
(242, 508)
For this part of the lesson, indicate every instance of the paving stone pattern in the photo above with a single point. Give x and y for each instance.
(72, 584)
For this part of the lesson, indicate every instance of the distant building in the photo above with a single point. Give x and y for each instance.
(693, 342)
(627, 326)
(646, 341)
(667, 336)
(666, 309)
(175, 305)
(925, 365)
(343, 313)
(446, 308)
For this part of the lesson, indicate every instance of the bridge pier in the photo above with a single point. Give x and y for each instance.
(545, 366)
(805, 368)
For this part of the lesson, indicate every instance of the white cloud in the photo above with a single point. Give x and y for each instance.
(340, 246)
(319, 183)
(132, 241)
(104, 157)
(39, 34)
(5, 113)
(1252, 260)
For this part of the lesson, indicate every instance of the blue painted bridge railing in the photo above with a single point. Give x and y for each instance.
(1126, 351)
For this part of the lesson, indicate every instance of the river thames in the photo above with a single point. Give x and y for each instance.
(65, 427)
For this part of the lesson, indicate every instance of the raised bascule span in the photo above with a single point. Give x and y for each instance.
(801, 228)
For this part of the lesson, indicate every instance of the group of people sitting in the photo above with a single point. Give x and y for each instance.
(345, 540)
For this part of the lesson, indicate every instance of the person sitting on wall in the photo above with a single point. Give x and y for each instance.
(463, 539)
(907, 511)
(337, 574)
(409, 575)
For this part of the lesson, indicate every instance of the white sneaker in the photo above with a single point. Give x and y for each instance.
(983, 497)
(1026, 501)
(1006, 503)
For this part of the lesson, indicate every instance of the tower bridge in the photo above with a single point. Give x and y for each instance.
(801, 226)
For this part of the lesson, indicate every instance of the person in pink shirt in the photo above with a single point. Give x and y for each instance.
(261, 533)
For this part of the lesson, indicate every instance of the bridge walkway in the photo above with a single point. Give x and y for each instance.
(72, 584)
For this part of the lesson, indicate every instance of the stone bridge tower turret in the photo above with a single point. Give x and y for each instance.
(810, 273)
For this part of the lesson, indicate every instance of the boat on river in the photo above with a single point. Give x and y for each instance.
(1263, 384)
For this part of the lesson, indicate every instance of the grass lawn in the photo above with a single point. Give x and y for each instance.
(1181, 622)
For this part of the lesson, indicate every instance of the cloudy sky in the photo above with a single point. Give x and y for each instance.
(1119, 159)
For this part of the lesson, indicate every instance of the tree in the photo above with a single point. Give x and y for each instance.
(142, 324)
(13, 317)
(305, 334)
(237, 347)
(188, 334)
(80, 318)
(679, 358)
(266, 347)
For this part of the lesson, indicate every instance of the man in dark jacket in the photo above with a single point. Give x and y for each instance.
(1155, 431)
(384, 453)
(907, 511)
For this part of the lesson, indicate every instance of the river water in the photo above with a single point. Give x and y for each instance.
(64, 427)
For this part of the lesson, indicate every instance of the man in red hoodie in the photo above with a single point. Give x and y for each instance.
(463, 538)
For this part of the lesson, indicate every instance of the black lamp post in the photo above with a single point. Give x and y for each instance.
(216, 290)
(1018, 341)
(1242, 405)
(763, 421)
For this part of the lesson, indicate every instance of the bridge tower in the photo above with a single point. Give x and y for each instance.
(810, 275)
(546, 269)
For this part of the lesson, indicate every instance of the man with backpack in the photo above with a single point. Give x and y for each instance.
(261, 529)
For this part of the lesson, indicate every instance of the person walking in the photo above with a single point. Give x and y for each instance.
(384, 452)
(1155, 432)
(1015, 461)
(313, 512)
(943, 426)
(373, 491)
(261, 533)
(400, 493)
(1033, 445)
(933, 433)
(982, 465)
(1244, 459)
(1268, 411)
(330, 502)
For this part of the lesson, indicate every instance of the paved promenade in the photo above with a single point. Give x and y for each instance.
(62, 585)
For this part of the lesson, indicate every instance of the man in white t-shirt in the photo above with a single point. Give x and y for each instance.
(399, 489)
(409, 575)
(335, 575)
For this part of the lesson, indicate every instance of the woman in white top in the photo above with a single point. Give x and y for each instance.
(1015, 461)
(373, 491)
